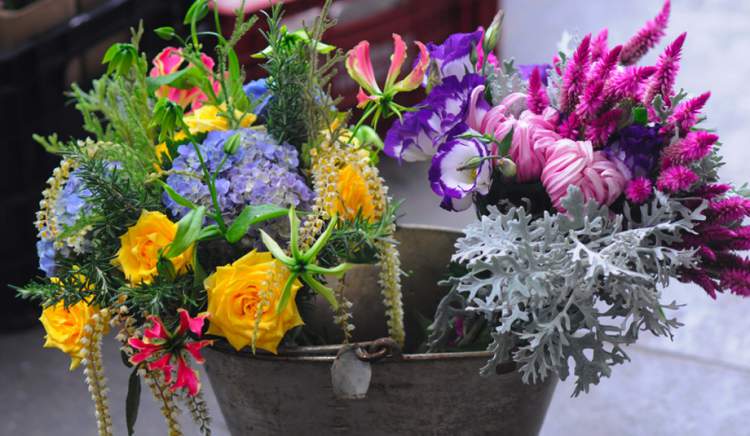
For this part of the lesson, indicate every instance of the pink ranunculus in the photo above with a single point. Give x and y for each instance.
(169, 61)
(576, 163)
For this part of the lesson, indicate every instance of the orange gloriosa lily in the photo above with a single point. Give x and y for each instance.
(370, 97)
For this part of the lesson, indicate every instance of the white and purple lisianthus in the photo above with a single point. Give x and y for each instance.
(459, 169)
(418, 135)
(453, 56)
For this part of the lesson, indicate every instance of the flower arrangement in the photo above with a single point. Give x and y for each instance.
(203, 208)
(595, 182)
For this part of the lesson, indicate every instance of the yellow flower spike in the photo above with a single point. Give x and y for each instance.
(246, 290)
(354, 197)
(141, 244)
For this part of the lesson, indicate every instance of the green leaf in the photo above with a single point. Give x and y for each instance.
(234, 65)
(321, 289)
(133, 400)
(312, 253)
(640, 115)
(286, 294)
(166, 33)
(157, 82)
(294, 233)
(250, 216)
(276, 250)
(209, 232)
(165, 268)
(199, 274)
(125, 359)
(179, 199)
(188, 229)
(197, 11)
(336, 271)
(505, 144)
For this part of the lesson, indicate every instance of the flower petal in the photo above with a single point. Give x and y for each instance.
(414, 79)
(194, 324)
(359, 67)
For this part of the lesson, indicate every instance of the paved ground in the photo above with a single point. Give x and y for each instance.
(696, 385)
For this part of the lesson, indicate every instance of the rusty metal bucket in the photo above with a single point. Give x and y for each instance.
(412, 393)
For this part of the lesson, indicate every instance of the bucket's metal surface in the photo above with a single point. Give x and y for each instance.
(431, 394)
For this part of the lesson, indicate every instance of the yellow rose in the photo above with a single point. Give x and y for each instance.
(238, 291)
(353, 195)
(65, 328)
(140, 246)
(207, 119)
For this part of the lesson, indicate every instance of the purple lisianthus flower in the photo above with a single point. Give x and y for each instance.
(417, 136)
(453, 56)
(526, 70)
(635, 149)
(459, 169)
(261, 171)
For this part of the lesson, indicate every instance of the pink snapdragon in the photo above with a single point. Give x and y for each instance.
(646, 38)
(667, 66)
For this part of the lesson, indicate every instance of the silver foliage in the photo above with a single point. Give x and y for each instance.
(574, 287)
(503, 81)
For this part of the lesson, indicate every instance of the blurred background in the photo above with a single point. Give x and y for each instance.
(696, 384)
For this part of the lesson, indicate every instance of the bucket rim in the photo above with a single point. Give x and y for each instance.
(327, 354)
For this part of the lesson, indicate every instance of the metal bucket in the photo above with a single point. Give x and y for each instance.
(414, 393)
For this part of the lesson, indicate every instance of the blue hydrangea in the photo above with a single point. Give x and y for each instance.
(69, 206)
(262, 171)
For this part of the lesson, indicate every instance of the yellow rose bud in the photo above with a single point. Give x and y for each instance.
(65, 328)
(238, 292)
(141, 244)
(352, 195)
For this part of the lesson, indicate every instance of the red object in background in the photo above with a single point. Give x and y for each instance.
(375, 21)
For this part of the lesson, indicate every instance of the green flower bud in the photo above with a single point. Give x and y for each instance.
(232, 144)
(507, 167)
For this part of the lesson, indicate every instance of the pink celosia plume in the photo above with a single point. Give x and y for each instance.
(676, 179)
(538, 99)
(728, 210)
(667, 66)
(593, 95)
(629, 83)
(686, 113)
(599, 129)
(599, 47)
(639, 190)
(574, 78)
(646, 38)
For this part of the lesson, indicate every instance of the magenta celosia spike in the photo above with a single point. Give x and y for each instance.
(599, 129)
(736, 280)
(570, 127)
(599, 46)
(537, 99)
(676, 178)
(667, 66)
(574, 77)
(700, 278)
(639, 190)
(728, 210)
(629, 83)
(593, 95)
(696, 145)
(646, 38)
(686, 113)
(730, 259)
(713, 190)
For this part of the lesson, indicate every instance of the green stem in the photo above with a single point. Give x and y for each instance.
(209, 180)
(361, 121)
